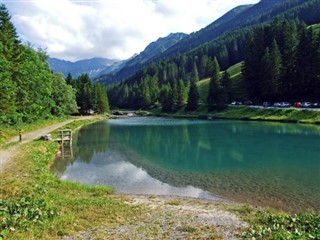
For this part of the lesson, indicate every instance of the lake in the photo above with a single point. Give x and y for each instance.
(264, 164)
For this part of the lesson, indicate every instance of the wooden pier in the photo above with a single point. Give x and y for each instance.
(65, 136)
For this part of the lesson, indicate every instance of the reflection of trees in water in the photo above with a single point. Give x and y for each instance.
(250, 160)
(90, 140)
(61, 162)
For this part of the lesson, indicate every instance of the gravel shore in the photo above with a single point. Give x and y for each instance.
(168, 217)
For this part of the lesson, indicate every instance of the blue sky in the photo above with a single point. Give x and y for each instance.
(80, 29)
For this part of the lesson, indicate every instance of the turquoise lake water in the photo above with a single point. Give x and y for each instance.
(264, 164)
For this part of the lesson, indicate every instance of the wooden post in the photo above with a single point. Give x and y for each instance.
(65, 135)
(20, 135)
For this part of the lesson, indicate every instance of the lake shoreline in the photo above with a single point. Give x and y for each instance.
(245, 113)
(95, 212)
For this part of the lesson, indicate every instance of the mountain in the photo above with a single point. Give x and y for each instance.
(236, 18)
(96, 67)
(151, 51)
(156, 48)
(231, 20)
(93, 67)
(235, 22)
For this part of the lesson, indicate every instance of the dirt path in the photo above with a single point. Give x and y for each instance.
(10, 152)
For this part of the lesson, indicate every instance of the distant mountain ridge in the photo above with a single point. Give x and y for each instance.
(96, 67)
(93, 67)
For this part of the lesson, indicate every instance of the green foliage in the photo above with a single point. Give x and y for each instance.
(193, 97)
(283, 226)
(19, 214)
(282, 62)
(217, 95)
(64, 97)
(29, 91)
(166, 98)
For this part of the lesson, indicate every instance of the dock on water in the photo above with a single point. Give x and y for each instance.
(65, 136)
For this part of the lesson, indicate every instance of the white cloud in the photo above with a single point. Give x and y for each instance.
(78, 29)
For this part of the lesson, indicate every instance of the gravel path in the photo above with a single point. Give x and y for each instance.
(10, 152)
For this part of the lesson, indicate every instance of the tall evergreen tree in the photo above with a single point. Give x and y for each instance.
(84, 93)
(8, 36)
(101, 103)
(305, 58)
(227, 86)
(166, 98)
(193, 97)
(272, 69)
(214, 98)
(182, 94)
(194, 73)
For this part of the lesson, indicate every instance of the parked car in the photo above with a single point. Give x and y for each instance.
(247, 103)
(276, 104)
(306, 104)
(297, 104)
(267, 104)
(284, 105)
(235, 103)
(316, 105)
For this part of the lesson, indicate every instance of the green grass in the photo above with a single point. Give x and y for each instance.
(35, 204)
(236, 81)
(235, 70)
(272, 114)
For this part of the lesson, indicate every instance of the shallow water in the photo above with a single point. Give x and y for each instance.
(267, 164)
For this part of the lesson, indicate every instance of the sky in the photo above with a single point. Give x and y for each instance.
(114, 29)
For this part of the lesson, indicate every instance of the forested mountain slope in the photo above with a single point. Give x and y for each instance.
(229, 31)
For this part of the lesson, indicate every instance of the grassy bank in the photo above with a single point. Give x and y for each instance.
(34, 204)
(250, 113)
(271, 114)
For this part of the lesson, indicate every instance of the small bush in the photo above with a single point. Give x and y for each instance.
(283, 226)
(21, 213)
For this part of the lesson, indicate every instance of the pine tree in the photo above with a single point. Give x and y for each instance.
(305, 58)
(288, 48)
(193, 97)
(182, 94)
(214, 98)
(226, 86)
(101, 104)
(272, 69)
(84, 94)
(195, 74)
(8, 36)
(224, 57)
(166, 98)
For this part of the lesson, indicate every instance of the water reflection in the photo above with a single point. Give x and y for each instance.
(269, 164)
(115, 170)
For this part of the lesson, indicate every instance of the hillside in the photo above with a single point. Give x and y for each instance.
(235, 75)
